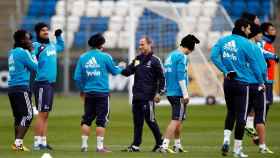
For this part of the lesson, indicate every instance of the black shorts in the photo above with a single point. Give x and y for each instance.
(21, 106)
(44, 93)
(96, 107)
(257, 101)
(178, 108)
(269, 93)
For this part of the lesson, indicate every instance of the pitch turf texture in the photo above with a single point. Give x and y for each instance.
(202, 132)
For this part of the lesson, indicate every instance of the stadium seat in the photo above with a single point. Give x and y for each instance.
(107, 8)
(80, 39)
(204, 24)
(111, 39)
(209, 8)
(92, 8)
(190, 23)
(73, 23)
(238, 7)
(116, 23)
(227, 5)
(254, 7)
(57, 21)
(266, 8)
(78, 8)
(123, 40)
(121, 8)
(194, 8)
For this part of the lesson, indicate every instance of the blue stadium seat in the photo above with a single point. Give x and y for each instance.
(80, 39)
(227, 5)
(253, 7)
(94, 24)
(237, 8)
(266, 8)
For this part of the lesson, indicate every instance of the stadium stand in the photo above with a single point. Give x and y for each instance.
(111, 18)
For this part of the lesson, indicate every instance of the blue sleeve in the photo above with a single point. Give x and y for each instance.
(181, 67)
(30, 62)
(78, 75)
(216, 57)
(111, 66)
(254, 63)
(35, 48)
(59, 45)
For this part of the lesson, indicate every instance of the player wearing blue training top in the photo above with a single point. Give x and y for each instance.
(46, 54)
(92, 78)
(176, 76)
(257, 98)
(21, 64)
(234, 57)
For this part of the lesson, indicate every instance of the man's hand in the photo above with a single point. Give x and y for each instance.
(82, 95)
(276, 59)
(58, 32)
(231, 75)
(122, 64)
(157, 98)
(185, 100)
(261, 88)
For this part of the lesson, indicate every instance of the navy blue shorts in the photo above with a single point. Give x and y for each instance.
(96, 107)
(44, 93)
(21, 106)
(257, 101)
(269, 93)
(178, 108)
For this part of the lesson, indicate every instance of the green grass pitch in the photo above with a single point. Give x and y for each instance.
(202, 132)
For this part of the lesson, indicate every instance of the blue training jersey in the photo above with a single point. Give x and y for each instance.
(259, 55)
(92, 71)
(235, 53)
(20, 64)
(47, 59)
(175, 70)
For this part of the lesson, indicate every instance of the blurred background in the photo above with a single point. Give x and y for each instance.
(124, 22)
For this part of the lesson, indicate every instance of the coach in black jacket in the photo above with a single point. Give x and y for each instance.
(149, 84)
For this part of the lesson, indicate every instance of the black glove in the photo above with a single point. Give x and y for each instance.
(231, 75)
(58, 32)
(276, 59)
(267, 63)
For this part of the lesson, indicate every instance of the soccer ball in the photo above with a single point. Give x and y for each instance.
(46, 155)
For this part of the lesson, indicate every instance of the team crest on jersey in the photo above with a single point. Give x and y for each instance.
(136, 62)
(230, 46)
(92, 63)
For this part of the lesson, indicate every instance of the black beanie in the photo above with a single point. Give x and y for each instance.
(96, 41)
(39, 26)
(189, 42)
(255, 29)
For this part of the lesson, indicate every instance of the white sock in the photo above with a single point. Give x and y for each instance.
(237, 145)
(262, 146)
(18, 142)
(227, 134)
(250, 122)
(99, 141)
(37, 141)
(165, 143)
(44, 140)
(84, 141)
(177, 143)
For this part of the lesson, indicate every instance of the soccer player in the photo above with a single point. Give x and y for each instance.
(176, 76)
(257, 98)
(149, 84)
(92, 78)
(269, 35)
(20, 65)
(46, 54)
(234, 57)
